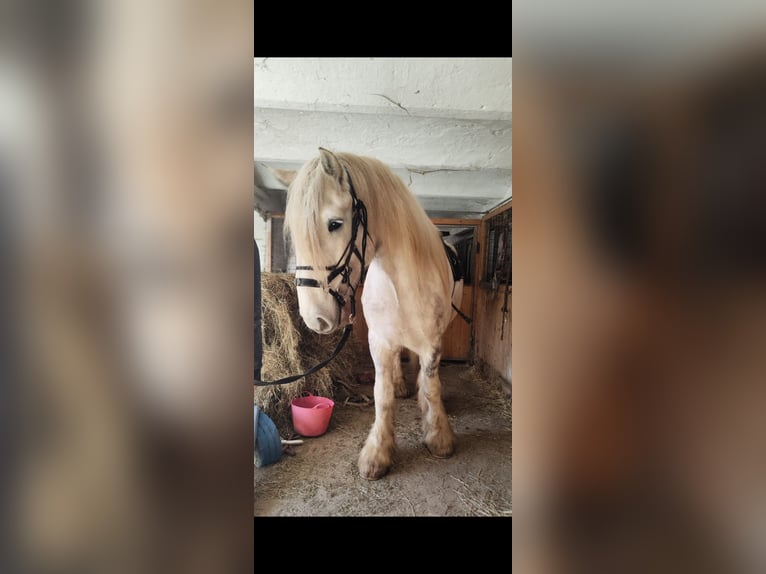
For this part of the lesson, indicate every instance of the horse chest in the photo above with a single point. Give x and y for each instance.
(380, 299)
(394, 314)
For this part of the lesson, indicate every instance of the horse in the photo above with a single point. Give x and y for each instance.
(350, 219)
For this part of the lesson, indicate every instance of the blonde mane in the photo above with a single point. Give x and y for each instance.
(398, 225)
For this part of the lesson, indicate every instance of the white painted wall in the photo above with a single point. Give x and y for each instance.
(399, 140)
(476, 88)
(443, 124)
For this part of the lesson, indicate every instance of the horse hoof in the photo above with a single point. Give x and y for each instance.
(442, 455)
(439, 447)
(403, 392)
(374, 462)
(373, 471)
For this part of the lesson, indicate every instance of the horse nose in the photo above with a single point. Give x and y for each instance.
(322, 326)
(318, 321)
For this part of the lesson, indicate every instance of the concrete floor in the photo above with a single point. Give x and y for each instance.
(321, 478)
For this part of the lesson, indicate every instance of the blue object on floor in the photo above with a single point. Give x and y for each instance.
(268, 445)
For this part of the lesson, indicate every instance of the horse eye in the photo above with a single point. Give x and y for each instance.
(333, 225)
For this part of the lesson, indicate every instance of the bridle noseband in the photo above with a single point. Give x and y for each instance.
(342, 267)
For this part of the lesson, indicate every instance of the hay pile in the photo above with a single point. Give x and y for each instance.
(289, 347)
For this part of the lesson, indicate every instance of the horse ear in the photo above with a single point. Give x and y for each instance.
(330, 163)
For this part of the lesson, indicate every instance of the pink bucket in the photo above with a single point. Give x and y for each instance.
(311, 415)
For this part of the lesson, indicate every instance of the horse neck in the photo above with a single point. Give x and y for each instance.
(401, 257)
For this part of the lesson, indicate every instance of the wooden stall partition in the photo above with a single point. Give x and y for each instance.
(457, 341)
(492, 337)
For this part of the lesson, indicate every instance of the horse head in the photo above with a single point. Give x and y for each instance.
(327, 224)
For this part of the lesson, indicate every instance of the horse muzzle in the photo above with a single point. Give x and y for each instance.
(321, 324)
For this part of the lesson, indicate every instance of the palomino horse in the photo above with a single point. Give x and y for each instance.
(345, 214)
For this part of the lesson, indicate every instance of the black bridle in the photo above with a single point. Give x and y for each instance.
(341, 268)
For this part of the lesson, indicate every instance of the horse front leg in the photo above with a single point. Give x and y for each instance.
(437, 433)
(377, 454)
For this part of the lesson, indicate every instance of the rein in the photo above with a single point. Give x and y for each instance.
(341, 268)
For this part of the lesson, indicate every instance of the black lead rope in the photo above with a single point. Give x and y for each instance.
(359, 218)
(465, 317)
(315, 368)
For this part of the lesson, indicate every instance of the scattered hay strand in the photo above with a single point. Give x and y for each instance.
(480, 499)
(495, 386)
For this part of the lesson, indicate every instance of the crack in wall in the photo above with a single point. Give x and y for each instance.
(427, 171)
(397, 104)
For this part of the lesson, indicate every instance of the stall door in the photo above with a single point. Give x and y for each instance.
(458, 338)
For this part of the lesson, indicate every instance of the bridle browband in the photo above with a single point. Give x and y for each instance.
(341, 268)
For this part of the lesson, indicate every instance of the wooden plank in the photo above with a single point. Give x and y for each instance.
(498, 210)
(481, 238)
(488, 320)
(267, 263)
(455, 221)
(489, 347)
(456, 341)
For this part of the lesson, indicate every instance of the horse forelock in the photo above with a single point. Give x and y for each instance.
(306, 197)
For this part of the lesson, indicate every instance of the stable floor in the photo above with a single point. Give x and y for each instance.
(321, 477)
